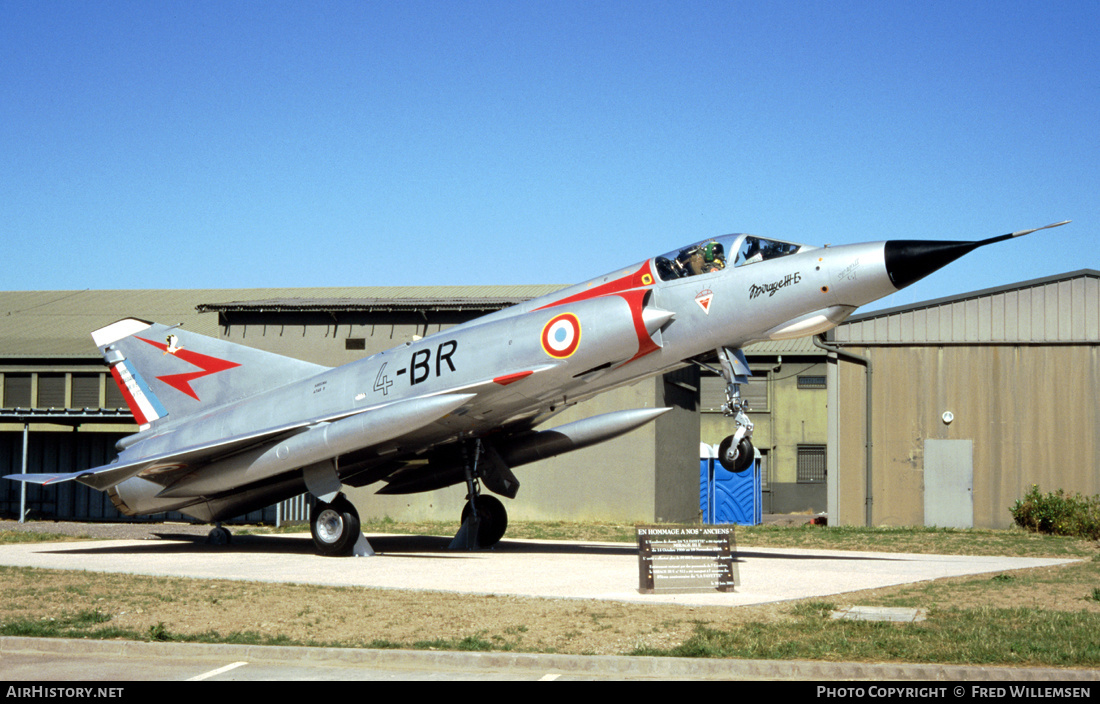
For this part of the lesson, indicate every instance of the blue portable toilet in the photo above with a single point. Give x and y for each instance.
(725, 496)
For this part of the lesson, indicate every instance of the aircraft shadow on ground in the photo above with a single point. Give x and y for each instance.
(412, 546)
(391, 545)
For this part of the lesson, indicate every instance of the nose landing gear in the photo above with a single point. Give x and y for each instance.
(735, 453)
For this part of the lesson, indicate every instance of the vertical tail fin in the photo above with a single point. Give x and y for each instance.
(164, 371)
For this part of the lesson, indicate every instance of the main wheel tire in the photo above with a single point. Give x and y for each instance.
(492, 520)
(335, 527)
(219, 536)
(745, 455)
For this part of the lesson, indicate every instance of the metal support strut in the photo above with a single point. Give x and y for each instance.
(466, 537)
(735, 371)
(484, 519)
(736, 452)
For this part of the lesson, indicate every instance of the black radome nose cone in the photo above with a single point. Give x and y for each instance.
(908, 261)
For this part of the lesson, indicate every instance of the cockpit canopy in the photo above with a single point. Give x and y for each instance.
(714, 255)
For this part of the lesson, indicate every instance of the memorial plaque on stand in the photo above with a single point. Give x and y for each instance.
(686, 559)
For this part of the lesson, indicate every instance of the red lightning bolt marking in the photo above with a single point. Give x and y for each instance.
(182, 382)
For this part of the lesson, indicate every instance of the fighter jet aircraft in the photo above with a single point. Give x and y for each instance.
(226, 429)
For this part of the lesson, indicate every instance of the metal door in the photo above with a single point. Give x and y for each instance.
(949, 483)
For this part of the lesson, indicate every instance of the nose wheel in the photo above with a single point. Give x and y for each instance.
(736, 457)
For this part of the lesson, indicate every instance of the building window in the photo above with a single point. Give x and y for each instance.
(811, 382)
(51, 391)
(811, 464)
(17, 391)
(355, 343)
(86, 390)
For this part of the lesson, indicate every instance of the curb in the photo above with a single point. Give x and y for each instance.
(604, 666)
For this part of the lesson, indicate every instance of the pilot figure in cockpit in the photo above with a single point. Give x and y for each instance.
(713, 258)
(707, 258)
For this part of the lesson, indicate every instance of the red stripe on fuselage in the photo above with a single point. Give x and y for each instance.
(642, 277)
(511, 378)
(635, 299)
(632, 288)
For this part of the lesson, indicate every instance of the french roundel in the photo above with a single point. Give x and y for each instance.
(562, 336)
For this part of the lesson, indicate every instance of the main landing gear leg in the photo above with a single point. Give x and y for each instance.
(484, 518)
(735, 453)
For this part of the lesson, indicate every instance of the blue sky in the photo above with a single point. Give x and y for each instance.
(281, 144)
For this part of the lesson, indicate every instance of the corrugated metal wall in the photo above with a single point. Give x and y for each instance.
(293, 510)
(1019, 370)
(48, 452)
(1061, 310)
(57, 452)
(1031, 411)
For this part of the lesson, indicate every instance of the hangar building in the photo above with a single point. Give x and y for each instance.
(943, 413)
(57, 400)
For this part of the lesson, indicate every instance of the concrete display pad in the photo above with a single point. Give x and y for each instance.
(547, 569)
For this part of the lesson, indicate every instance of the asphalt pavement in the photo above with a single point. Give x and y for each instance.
(57, 659)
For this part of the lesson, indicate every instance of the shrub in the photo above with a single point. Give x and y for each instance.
(1058, 513)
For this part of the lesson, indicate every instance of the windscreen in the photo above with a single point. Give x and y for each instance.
(757, 249)
(717, 253)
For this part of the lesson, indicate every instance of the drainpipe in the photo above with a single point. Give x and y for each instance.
(23, 485)
(819, 341)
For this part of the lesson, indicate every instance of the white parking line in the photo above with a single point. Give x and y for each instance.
(215, 673)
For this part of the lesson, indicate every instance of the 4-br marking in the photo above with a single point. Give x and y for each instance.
(420, 366)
